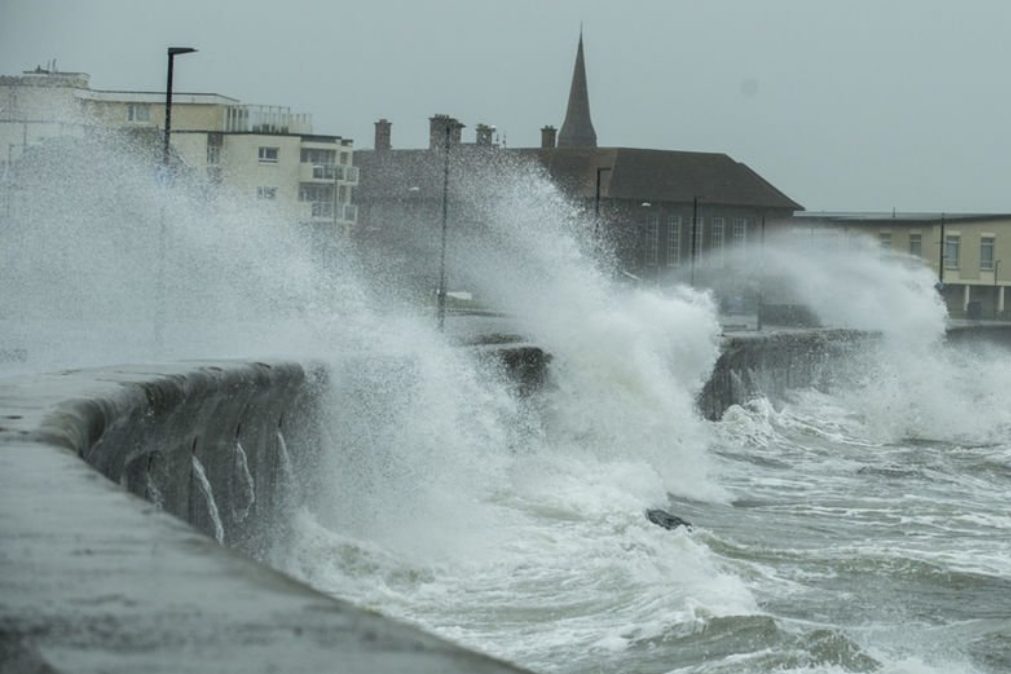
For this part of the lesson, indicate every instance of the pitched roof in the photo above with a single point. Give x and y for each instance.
(634, 174)
(661, 175)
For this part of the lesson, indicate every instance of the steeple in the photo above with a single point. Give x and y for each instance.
(577, 129)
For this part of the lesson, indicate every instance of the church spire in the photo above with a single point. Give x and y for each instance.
(577, 129)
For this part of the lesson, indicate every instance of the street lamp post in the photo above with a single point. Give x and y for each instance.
(694, 243)
(996, 268)
(761, 279)
(451, 126)
(172, 53)
(940, 257)
(160, 307)
(596, 201)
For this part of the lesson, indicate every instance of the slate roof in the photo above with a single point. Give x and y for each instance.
(662, 175)
(635, 174)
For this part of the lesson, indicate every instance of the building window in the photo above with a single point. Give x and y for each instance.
(951, 246)
(214, 142)
(315, 192)
(739, 234)
(345, 158)
(266, 193)
(138, 112)
(316, 156)
(700, 228)
(322, 209)
(652, 243)
(326, 172)
(716, 236)
(885, 239)
(268, 155)
(986, 245)
(916, 245)
(673, 240)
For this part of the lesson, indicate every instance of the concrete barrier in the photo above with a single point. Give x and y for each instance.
(771, 363)
(95, 579)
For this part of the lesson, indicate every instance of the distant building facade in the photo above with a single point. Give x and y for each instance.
(261, 152)
(661, 210)
(969, 252)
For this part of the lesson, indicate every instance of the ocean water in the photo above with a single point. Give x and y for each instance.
(821, 543)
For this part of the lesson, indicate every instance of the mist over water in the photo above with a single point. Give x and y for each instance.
(106, 263)
(858, 529)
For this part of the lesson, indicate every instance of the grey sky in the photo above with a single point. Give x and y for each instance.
(842, 104)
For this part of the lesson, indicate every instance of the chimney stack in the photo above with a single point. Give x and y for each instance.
(484, 135)
(548, 136)
(383, 135)
(437, 126)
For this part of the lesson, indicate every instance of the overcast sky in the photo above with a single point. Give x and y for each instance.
(842, 104)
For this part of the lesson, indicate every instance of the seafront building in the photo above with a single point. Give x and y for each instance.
(264, 153)
(662, 211)
(969, 252)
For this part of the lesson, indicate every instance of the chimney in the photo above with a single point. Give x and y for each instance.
(437, 126)
(383, 135)
(548, 136)
(484, 134)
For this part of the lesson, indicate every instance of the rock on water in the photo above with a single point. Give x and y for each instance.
(664, 519)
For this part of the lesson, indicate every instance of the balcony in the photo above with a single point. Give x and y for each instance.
(265, 119)
(322, 209)
(328, 173)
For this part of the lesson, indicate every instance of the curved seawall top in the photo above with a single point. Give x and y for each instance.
(93, 578)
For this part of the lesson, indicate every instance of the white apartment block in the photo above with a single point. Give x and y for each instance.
(264, 153)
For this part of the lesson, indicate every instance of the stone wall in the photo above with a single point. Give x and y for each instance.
(94, 579)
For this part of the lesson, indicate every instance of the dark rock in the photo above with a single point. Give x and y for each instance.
(664, 519)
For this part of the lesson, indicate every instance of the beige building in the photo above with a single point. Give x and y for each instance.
(969, 252)
(261, 152)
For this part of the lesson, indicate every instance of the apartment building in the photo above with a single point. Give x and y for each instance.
(264, 153)
(969, 252)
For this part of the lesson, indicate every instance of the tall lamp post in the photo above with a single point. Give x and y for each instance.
(694, 237)
(159, 319)
(996, 269)
(596, 201)
(451, 126)
(172, 53)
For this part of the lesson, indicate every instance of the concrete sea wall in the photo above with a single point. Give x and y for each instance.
(121, 573)
(95, 579)
(771, 363)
